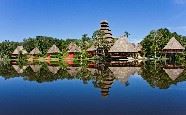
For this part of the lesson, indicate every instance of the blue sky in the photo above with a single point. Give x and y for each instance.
(21, 19)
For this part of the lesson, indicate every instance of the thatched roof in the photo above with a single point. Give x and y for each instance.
(173, 73)
(92, 48)
(139, 47)
(35, 51)
(18, 69)
(53, 49)
(73, 48)
(123, 73)
(36, 68)
(53, 69)
(73, 70)
(19, 50)
(122, 45)
(173, 44)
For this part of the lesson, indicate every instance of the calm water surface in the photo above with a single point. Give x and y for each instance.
(124, 90)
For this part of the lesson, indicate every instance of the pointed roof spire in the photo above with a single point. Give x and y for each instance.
(173, 44)
(35, 51)
(53, 49)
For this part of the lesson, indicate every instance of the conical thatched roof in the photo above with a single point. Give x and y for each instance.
(122, 45)
(19, 50)
(18, 69)
(53, 69)
(36, 68)
(73, 48)
(92, 48)
(35, 51)
(123, 73)
(173, 73)
(139, 47)
(173, 44)
(53, 49)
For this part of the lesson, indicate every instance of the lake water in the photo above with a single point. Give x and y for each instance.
(115, 89)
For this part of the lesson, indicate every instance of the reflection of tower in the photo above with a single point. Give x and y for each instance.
(106, 85)
(107, 31)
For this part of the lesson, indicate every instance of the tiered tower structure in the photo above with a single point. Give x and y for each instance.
(107, 31)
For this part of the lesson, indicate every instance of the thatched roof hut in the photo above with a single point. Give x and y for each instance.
(173, 46)
(92, 48)
(35, 51)
(139, 47)
(123, 73)
(19, 50)
(36, 68)
(122, 45)
(73, 48)
(18, 69)
(53, 69)
(54, 49)
(173, 73)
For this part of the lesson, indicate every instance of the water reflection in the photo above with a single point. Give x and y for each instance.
(102, 76)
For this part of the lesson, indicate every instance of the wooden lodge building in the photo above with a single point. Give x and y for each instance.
(35, 52)
(19, 50)
(72, 49)
(119, 49)
(173, 47)
(122, 49)
(52, 51)
(91, 51)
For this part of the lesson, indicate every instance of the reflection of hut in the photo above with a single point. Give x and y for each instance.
(108, 34)
(73, 71)
(19, 50)
(34, 54)
(36, 68)
(123, 73)
(173, 47)
(53, 69)
(72, 50)
(123, 49)
(53, 51)
(93, 71)
(173, 73)
(18, 69)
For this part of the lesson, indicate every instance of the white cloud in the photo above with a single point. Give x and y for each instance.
(180, 2)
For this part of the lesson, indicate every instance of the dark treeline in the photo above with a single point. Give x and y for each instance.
(41, 42)
(153, 42)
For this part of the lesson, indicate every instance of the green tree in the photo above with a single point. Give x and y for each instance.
(101, 42)
(156, 40)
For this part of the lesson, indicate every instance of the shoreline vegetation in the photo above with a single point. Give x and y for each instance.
(101, 46)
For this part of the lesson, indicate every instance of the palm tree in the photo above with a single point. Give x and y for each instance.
(126, 34)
